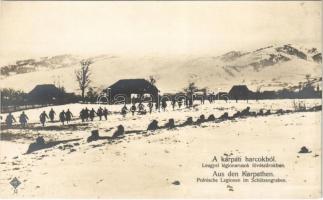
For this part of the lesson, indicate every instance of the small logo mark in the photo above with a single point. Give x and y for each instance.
(15, 184)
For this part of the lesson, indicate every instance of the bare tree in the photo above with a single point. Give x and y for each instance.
(83, 76)
(191, 88)
(152, 80)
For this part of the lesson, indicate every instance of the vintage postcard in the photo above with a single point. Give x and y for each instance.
(161, 99)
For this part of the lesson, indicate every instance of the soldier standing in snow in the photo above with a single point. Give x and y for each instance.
(157, 105)
(105, 113)
(23, 119)
(52, 115)
(133, 109)
(180, 103)
(82, 114)
(68, 115)
(43, 117)
(150, 106)
(86, 114)
(124, 110)
(92, 114)
(164, 105)
(100, 113)
(62, 116)
(173, 103)
(9, 120)
(141, 107)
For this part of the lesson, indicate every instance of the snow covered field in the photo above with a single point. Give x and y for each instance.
(145, 164)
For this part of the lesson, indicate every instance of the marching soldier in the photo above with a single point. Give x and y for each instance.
(52, 115)
(105, 113)
(100, 113)
(86, 114)
(133, 109)
(82, 115)
(150, 106)
(68, 116)
(10, 119)
(23, 119)
(92, 114)
(124, 110)
(164, 105)
(62, 116)
(173, 104)
(43, 116)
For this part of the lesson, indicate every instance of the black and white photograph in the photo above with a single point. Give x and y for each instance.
(161, 99)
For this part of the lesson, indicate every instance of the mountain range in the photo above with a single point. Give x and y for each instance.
(268, 68)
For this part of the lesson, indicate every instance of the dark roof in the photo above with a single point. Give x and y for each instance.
(45, 90)
(133, 86)
(235, 88)
(239, 91)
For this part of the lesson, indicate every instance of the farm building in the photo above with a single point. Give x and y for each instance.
(45, 94)
(317, 58)
(123, 89)
(240, 92)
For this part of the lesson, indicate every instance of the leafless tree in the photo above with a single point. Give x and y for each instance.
(83, 76)
(191, 88)
(152, 80)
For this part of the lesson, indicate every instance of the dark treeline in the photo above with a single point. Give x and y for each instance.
(241, 92)
(48, 94)
(15, 100)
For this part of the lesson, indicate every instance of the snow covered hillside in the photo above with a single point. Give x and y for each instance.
(272, 67)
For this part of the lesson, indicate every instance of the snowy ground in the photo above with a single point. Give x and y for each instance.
(145, 164)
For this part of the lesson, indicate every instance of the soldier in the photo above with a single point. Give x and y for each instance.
(164, 105)
(141, 107)
(86, 114)
(100, 113)
(62, 116)
(82, 114)
(180, 103)
(157, 105)
(52, 115)
(202, 100)
(150, 106)
(190, 102)
(23, 119)
(173, 104)
(105, 113)
(133, 109)
(10, 119)
(124, 110)
(43, 117)
(92, 114)
(68, 115)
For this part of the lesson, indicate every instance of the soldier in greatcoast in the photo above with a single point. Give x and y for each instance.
(43, 116)
(52, 115)
(9, 120)
(23, 119)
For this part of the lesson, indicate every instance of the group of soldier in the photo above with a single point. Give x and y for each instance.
(140, 109)
(87, 114)
(63, 116)
(10, 119)
(43, 117)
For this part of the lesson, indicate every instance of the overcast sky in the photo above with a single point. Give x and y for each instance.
(209, 27)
